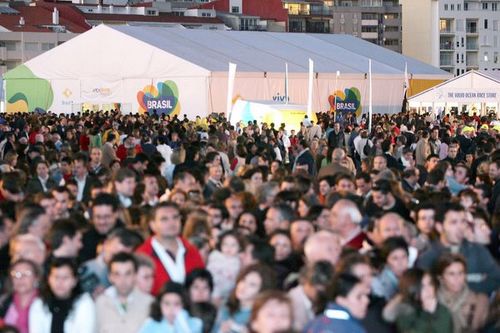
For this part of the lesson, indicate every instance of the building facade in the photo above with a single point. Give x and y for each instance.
(376, 21)
(457, 35)
(29, 29)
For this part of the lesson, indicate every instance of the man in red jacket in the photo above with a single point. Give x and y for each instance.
(174, 257)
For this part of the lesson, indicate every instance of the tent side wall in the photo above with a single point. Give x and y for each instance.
(351, 91)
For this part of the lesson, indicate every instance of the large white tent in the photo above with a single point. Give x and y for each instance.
(472, 91)
(185, 71)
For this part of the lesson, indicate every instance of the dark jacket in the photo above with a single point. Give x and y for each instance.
(34, 185)
(483, 272)
(335, 319)
(91, 239)
(89, 182)
(419, 321)
(336, 140)
(306, 158)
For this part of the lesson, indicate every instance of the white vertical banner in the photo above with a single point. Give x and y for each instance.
(370, 101)
(286, 83)
(310, 89)
(230, 87)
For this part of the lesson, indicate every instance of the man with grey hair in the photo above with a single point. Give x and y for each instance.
(338, 158)
(27, 246)
(391, 225)
(345, 219)
(323, 245)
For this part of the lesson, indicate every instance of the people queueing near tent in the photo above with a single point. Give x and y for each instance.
(158, 223)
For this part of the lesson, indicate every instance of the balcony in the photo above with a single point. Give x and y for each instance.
(446, 27)
(471, 27)
(369, 22)
(298, 12)
(447, 45)
(321, 11)
(369, 35)
(446, 60)
(472, 47)
(446, 31)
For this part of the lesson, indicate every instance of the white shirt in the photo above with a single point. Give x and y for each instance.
(81, 186)
(81, 319)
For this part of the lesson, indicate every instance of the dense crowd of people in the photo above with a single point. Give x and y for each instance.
(151, 223)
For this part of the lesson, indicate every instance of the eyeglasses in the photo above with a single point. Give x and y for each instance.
(19, 275)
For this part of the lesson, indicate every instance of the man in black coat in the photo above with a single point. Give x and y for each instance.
(304, 159)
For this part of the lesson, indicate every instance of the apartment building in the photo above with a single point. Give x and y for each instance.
(376, 21)
(455, 35)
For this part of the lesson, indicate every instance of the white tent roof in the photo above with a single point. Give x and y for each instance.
(470, 87)
(268, 51)
(109, 52)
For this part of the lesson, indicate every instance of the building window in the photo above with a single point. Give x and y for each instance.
(445, 6)
(368, 29)
(458, 58)
(462, 56)
(459, 7)
(466, 6)
(10, 46)
(369, 16)
(47, 46)
(485, 24)
(485, 5)
(235, 9)
(462, 42)
(452, 7)
(458, 72)
(31, 46)
(494, 7)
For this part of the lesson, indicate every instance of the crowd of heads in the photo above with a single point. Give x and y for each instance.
(247, 227)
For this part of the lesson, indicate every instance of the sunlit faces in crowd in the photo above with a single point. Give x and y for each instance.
(323, 245)
(247, 223)
(425, 219)
(299, 231)
(199, 285)
(351, 293)
(234, 206)
(478, 230)
(272, 312)
(145, 273)
(282, 244)
(452, 227)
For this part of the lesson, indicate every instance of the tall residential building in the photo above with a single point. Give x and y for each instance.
(376, 21)
(455, 35)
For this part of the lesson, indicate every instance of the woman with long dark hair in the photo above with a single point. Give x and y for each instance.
(62, 306)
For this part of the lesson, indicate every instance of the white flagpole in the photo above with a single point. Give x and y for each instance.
(310, 89)
(407, 83)
(370, 106)
(335, 92)
(230, 87)
(286, 83)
